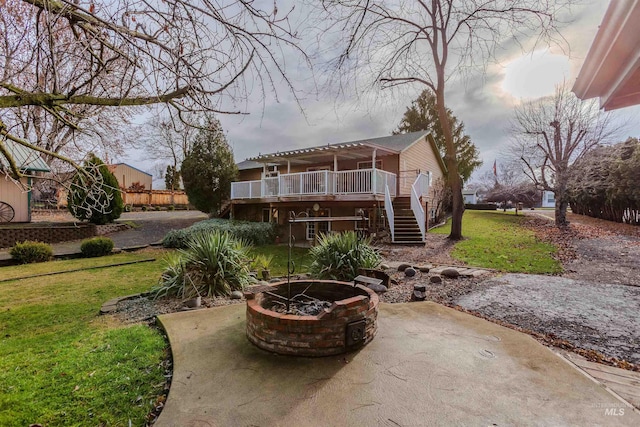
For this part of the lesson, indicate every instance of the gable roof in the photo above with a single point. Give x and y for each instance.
(129, 166)
(26, 158)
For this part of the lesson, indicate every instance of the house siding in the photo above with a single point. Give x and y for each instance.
(15, 196)
(126, 175)
(418, 157)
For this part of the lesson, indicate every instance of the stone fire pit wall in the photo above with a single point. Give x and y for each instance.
(321, 335)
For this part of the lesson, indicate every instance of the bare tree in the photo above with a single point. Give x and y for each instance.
(168, 141)
(551, 133)
(68, 59)
(427, 42)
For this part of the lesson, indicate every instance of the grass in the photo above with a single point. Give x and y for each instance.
(496, 240)
(60, 363)
(300, 257)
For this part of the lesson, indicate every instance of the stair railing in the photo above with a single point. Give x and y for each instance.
(419, 187)
(388, 207)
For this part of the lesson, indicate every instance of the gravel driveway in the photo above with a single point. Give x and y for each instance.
(594, 316)
(152, 226)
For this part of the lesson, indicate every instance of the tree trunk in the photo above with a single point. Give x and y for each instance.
(561, 202)
(453, 177)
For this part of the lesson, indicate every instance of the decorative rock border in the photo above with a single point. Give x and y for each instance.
(112, 305)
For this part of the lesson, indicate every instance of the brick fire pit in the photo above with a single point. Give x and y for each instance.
(348, 324)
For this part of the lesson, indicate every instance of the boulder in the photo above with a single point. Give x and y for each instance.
(424, 268)
(435, 279)
(451, 273)
(418, 296)
(236, 295)
(379, 289)
(410, 272)
(384, 267)
(403, 266)
(420, 287)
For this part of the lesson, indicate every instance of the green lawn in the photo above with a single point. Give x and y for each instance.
(300, 257)
(496, 240)
(61, 363)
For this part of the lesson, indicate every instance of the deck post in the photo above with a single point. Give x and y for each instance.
(373, 172)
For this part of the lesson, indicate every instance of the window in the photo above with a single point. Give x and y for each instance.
(266, 215)
(551, 197)
(367, 165)
(314, 228)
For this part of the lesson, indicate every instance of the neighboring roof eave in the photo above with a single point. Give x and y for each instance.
(26, 159)
(613, 60)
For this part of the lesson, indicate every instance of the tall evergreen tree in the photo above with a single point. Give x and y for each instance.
(208, 169)
(423, 115)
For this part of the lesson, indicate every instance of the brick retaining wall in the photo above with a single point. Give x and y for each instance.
(54, 234)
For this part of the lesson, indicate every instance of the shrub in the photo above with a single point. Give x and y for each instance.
(95, 247)
(213, 263)
(28, 252)
(339, 256)
(94, 194)
(255, 233)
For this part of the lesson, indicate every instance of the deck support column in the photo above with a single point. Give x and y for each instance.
(373, 172)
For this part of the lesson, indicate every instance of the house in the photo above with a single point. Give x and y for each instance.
(15, 198)
(389, 178)
(470, 196)
(548, 199)
(131, 177)
(611, 70)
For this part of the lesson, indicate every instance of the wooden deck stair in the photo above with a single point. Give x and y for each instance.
(406, 229)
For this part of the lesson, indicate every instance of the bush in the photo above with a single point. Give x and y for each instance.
(255, 233)
(95, 247)
(28, 252)
(213, 263)
(94, 194)
(339, 256)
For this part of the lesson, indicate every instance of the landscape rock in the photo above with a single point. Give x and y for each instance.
(418, 296)
(403, 266)
(451, 273)
(236, 295)
(410, 272)
(420, 287)
(384, 267)
(435, 279)
(380, 289)
(424, 269)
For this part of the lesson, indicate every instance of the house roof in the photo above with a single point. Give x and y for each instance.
(353, 150)
(26, 158)
(467, 192)
(611, 70)
(250, 164)
(132, 167)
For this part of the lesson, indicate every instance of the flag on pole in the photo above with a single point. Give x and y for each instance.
(495, 171)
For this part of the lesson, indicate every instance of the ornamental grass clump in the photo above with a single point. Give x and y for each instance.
(213, 264)
(339, 256)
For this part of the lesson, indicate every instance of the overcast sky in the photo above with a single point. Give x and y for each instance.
(483, 102)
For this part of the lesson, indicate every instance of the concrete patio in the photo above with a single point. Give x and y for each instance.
(429, 365)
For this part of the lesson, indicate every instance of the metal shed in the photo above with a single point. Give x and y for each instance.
(15, 199)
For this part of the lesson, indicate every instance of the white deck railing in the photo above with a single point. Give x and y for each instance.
(361, 181)
(388, 208)
(420, 188)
